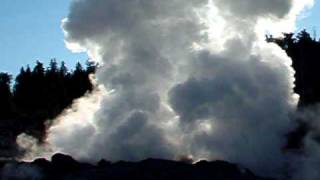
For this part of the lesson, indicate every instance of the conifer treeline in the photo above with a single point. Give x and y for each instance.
(304, 51)
(40, 93)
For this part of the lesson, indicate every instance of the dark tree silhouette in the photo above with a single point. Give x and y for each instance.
(22, 90)
(39, 95)
(305, 54)
(91, 66)
(6, 103)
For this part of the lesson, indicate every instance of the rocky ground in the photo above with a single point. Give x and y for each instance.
(65, 167)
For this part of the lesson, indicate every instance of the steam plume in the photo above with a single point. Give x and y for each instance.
(180, 78)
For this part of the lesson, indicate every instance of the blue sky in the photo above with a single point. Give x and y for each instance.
(30, 30)
(312, 20)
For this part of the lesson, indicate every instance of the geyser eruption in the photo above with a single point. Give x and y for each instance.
(182, 78)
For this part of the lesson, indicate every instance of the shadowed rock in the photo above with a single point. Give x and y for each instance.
(65, 167)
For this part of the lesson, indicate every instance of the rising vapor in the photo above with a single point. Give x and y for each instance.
(182, 78)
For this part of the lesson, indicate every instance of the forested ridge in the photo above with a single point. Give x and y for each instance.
(39, 94)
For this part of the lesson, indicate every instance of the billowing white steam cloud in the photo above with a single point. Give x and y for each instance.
(182, 77)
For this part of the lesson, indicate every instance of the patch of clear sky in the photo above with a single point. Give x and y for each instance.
(30, 30)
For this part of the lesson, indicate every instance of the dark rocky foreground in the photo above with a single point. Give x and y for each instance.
(65, 167)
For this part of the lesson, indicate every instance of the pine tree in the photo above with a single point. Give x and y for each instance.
(6, 103)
